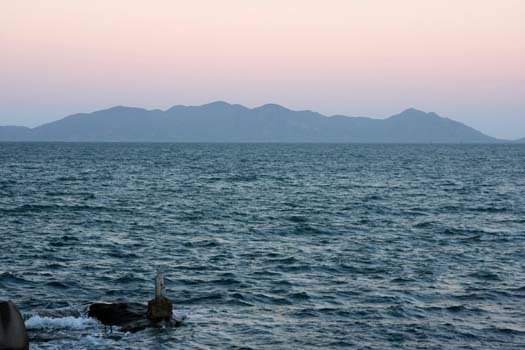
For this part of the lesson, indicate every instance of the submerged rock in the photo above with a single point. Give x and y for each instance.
(13, 334)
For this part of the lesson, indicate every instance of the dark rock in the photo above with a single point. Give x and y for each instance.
(133, 317)
(129, 317)
(160, 309)
(13, 334)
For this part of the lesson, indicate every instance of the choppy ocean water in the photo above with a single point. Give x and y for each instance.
(268, 246)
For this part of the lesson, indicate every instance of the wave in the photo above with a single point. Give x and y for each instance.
(299, 296)
(10, 278)
(506, 330)
(424, 224)
(489, 209)
(67, 322)
(38, 208)
(518, 289)
(485, 276)
(455, 309)
(297, 219)
(242, 178)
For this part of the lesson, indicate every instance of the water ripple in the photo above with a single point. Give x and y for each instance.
(268, 246)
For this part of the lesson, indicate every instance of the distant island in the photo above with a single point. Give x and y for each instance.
(224, 122)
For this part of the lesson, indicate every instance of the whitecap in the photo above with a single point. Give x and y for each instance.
(68, 322)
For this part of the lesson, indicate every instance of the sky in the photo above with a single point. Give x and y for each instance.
(463, 59)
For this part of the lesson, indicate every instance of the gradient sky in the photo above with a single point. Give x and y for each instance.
(463, 59)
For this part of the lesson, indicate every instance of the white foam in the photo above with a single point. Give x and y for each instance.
(180, 315)
(82, 342)
(69, 322)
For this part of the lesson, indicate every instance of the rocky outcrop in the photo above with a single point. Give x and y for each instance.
(160, 309)
(134, 317)
(13, 334)
(129, 317)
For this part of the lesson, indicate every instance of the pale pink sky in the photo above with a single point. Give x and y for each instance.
(463, 59)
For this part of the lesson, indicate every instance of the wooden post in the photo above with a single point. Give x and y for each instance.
(160, 287)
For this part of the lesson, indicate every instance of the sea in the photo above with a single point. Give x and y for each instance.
(268, 246)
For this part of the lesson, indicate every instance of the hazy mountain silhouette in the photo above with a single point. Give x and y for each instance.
(223, 122)
(15, 133)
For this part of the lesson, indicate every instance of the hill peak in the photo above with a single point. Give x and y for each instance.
(120, 109)
(272, 107)
(413, 110)
(413, 113)
(217, 104)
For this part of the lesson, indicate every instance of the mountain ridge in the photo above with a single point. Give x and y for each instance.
(220, 121)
